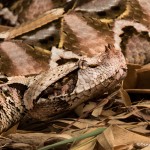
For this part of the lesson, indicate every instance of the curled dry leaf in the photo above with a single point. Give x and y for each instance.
(125, 97)
(31, 140)
(136, 81)
(88, 143)
(4, 141)
(80, 124)
(131, 79)
(116, 136)
(143, 77)
(81, 109)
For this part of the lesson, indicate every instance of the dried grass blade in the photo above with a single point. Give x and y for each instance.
(75, 139)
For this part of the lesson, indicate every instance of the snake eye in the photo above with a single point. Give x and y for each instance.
(83, 64)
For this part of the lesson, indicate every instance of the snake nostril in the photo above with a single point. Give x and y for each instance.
(101, 13)
(115, 8)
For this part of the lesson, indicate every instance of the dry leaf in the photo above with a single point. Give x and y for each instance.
(130, 81)
(125, 97)
(88, 143)
(143, 77)
(116, 136)
(36, 139)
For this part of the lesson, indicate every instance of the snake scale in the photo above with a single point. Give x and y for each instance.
(94, 34)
